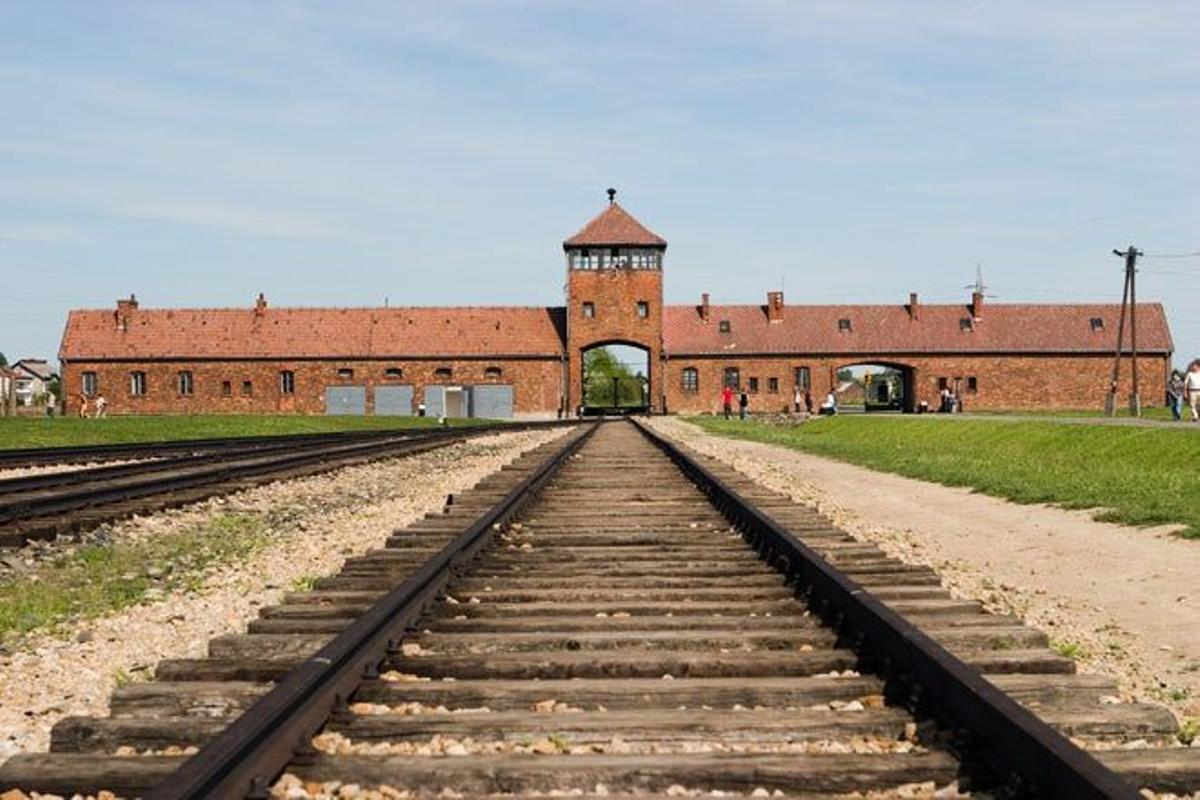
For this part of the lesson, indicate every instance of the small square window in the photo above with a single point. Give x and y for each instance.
(754, 385)
(345, 373)
(493, 373)
(393, 373)
(732, 377)
(643, 309)
(185, 383)
(137, 383)
(691, 379)
(943, 384)
(964, 324)
(723, 326)
(589, 310)
(443, 373)
(247, 388)
(89, 383)
(226, 388)
(773, 385)
(972, 384)
(287, 382)
(843, 324)
(1097, 323)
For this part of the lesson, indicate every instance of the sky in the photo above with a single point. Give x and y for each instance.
(354, 153)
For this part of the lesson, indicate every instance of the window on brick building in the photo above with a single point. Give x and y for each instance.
(393, 373)
(691, 379)
(346, 374)
(89, 384)
(185, 382)
(843, 324)
(493, 373)
(643, 309)
(773, 385)
(287, 382)
(754, 385)
(733, 377)
(226, 388)
(1097, 323)
(247, 388)
(964, 324)
(137, 383)
(943, 384)
(723, 326)
(803, 378)
(443, 373)
(589, 310)
(972, 384)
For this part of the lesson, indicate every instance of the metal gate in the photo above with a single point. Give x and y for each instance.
(493, 401)
(394, 401)
(345, 400)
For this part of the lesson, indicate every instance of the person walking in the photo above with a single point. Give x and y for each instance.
(727, 401)
(1175, 394)
(101, 407)
(797, 399)
(743, 403)
(83, 405)
(1191, 387)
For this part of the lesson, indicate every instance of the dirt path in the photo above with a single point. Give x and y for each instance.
(1129, 598)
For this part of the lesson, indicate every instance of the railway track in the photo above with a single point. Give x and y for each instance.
(44, 506)
(591, 620)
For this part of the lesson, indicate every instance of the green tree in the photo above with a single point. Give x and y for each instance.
(608, 382)
(3, 360)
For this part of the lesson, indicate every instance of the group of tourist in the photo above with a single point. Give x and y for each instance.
(1185, 388)
(96, 408)
(802, 400)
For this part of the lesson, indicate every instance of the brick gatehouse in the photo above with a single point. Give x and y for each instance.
(528, 361)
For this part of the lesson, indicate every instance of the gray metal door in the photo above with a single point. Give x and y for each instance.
(435, 400)
(492, 401)
(345, 400)
(394, 401)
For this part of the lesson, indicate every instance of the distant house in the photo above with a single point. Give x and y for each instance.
(8, 391)
(33, 377)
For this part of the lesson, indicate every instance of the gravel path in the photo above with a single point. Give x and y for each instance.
(1126, 597)
(330, 517)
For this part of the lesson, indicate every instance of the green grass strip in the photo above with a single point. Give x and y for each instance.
(99, 579)
(17, 432)
(1134, 475)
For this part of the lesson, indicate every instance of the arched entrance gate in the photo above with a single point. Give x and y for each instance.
(616, 379)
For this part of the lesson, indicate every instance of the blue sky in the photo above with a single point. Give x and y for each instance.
(438, 153)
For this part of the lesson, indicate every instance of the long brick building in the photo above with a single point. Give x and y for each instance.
(528, 361)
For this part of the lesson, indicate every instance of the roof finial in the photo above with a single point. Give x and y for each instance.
(612, 195)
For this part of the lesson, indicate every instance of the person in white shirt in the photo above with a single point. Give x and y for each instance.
(1191, 388)
(829, 407)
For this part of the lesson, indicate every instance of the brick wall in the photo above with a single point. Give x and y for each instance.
(1002, 381)
(536, 384)
(614, 294)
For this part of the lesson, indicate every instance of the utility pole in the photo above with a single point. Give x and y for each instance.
(1128, 300)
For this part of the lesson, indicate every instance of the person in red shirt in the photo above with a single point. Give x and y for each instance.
(727, 401)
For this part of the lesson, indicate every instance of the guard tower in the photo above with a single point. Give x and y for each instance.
(614, 295)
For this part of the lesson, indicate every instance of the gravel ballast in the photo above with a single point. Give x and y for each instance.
(313, 524)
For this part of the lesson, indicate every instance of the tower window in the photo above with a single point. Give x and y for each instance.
(287, 382)
(723, 326)
(589, 310)
(185, 382)
(691, 379)
(843, 324)
(643, 309)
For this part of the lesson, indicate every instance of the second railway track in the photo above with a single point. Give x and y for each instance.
(591, 621)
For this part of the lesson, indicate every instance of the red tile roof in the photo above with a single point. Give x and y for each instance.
(1003, 328)
(614, 227)
(314, 333)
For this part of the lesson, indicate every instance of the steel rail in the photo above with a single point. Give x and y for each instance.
(244, 759)
(1034, 759)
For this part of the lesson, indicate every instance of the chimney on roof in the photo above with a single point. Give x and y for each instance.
(704, 306)
(125, 309)
(775, 306)
(914, 307)
(260, 305)
(977, 304)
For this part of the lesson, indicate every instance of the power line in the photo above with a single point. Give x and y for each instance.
(1195, 254)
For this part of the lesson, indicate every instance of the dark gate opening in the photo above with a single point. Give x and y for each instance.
(874, 387)
(616, 380)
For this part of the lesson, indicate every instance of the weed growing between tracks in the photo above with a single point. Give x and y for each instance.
(1135, 476)
(100, 578)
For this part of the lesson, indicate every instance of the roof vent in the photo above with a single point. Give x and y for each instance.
(1097, 323)
(843, 324)
(964, 324)
(723, 326)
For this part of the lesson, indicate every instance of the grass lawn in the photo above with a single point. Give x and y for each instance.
(1138, 476)
(69, 431)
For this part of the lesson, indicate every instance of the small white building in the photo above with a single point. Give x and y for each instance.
(32, 377)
